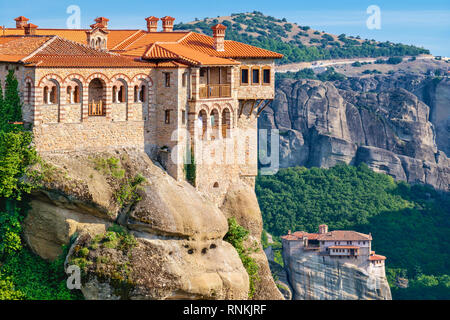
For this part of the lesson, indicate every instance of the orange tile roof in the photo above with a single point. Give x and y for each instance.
(376, 257)
(57, 52)
(290, 237)
(156, 51)
(344, 235)
(233, 49)
(21, 18)
(337, 235)
(182, 46)
(152, 18)
(192, 56)
(10, 58)
(71, 61)
(79, 35)
(15, 48)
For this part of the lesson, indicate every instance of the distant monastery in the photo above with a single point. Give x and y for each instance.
(339, 245)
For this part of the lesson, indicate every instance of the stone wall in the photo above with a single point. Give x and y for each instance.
(161, 122)
(95, 135)
(254, 91)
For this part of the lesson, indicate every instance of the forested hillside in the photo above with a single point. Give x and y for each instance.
(409, 224)
(297, 43)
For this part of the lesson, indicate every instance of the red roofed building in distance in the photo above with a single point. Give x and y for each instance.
(338, 245)
(160, 92)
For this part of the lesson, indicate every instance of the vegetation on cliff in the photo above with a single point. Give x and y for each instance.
(409, 224)
(297, 43)
(23, 275)
(236, 236)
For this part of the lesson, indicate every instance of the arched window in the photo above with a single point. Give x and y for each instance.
(114, 94)
(136, 94)
(28, 92)
(46, 95)
(98, 44)
(214, 118)
(69, 94)
(226, 122)
(76, 94)
(142, 95)
(96, 97)
(120, 94)
(53, 95)
(202, 124)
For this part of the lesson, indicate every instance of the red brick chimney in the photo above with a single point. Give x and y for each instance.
(21, 22)
(167, 23)
(219, 36)
(30, 29)
(103, 21)
(152, 23)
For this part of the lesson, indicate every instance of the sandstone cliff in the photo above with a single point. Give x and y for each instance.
(179, 251)
(312, 278)
(371, 120)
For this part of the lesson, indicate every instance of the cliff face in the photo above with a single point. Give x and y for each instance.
(313, 278)
(179, 251)
(381, 124)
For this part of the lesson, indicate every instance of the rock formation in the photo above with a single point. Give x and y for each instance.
(179, 252)
(313, 279)
(371, 120)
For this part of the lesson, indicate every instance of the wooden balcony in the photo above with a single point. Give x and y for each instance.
(212, 91)
(97, 109)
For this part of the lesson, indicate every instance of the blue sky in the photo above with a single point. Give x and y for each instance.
(422, 23)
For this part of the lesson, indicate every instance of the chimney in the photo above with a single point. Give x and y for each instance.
(30, 29)
(219, 36)
(289, 231)
(21, 22)
(167, 23)
(152, 23)
(102, 21)
(323, 228)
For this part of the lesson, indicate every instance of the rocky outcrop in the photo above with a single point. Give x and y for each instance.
(179, 251)
(314, 278)
(385, 126)
(241, 203)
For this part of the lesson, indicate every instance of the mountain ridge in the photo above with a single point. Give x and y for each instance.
(297, 43)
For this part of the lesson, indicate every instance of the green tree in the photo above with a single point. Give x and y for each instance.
(10, 106)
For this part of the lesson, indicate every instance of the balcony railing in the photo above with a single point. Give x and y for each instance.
(215, 91)
(97, 108)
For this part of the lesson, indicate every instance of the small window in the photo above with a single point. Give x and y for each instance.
(244, 76)
(28, 92)
(46, 100)
(121, 94)
(255, 76)
(53, 95)
(167, 79)
(114, 94)
(266, 76)
(142, 95)
(184, 79)
(183, 117)
(167, 116)
(77, 94)
(136, 94)
(69, 94)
